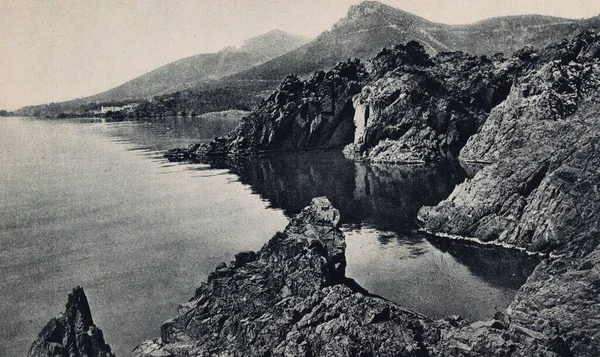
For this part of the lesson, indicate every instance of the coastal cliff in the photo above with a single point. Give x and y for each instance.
(538, 190)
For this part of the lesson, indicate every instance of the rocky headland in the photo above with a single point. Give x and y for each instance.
(401, 106)
(292, 298)
(525, 127)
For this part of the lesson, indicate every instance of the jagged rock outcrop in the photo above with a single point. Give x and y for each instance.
(292, 298)
(540, 190)
(72, 333)
(301, 114)
(402, 106)
(411, 108)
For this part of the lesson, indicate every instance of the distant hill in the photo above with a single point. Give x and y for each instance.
(192, 70)
(371, 25)
(185, 73)
(236, 79)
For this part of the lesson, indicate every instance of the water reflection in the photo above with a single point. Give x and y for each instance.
(379, 205)
(503, 268)
(387, 197)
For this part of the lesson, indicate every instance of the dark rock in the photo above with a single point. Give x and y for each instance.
(244, 257)
(301, 114)
(72, 334)
(292, 299)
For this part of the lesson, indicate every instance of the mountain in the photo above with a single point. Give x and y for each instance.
(370, 26)
(192, 70)
(237, 79)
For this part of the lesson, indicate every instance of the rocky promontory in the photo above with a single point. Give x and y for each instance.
(292, 298)
(401, 106)
(72, 333)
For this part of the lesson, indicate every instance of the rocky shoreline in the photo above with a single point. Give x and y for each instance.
(529, 120)
(292, 298)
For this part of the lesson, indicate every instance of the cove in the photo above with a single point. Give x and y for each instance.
(95, 204)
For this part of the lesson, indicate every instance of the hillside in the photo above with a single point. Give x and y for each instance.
(370, 26)
(184, 73)
(204, 67)
(237, 79)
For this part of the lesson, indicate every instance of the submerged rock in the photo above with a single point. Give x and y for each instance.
(71, 334)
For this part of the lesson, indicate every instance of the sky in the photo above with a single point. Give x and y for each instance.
(58, 50)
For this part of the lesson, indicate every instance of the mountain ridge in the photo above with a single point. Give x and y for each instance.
(183, 73)
(368, 27)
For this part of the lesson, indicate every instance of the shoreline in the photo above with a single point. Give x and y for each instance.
(307, 294)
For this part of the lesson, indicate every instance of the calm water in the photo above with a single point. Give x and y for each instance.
(94, 204)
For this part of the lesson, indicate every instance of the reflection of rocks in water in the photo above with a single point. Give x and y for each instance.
(289, 181)
(385, 196)
(505, 268)
(391, 195)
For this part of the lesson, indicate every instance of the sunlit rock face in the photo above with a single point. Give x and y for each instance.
(540, 190)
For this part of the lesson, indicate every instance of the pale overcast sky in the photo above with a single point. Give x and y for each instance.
(60, 50)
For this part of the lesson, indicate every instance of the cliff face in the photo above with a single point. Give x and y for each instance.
(419, 109)
(72, 334)
(540, 190)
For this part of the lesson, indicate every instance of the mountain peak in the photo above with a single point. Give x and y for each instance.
(273, 43)
(370, 6)
(372, 14)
